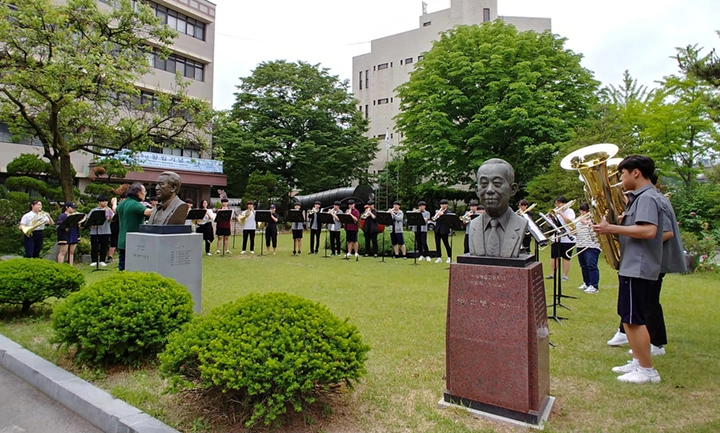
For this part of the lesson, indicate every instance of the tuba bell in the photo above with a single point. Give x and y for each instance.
(591, 162)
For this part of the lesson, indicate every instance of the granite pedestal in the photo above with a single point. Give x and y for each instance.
(497, 341)
(176, 256)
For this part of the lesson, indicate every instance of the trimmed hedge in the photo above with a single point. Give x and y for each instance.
(408, 237)
(270, 352)
(124, 318)
(29, 281)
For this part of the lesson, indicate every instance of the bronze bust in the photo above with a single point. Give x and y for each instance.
(498, 232)
(170, 209)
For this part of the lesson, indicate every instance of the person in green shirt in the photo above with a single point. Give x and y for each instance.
(131, 213)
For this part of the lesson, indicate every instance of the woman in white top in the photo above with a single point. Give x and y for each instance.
(206, 226)
(33, 243)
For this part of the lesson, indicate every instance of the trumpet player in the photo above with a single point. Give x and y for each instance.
(442, 232)
(247, 219)
(562, 244)
(315, 228)
(421, 233)
(523, 207)
(351, 230)
(334, 229)
(38, 219)
(396, 235)
(475, 210)
(297, 233)
(370, 229)
(271, 230)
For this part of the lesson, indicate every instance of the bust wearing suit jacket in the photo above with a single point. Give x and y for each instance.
(496, 185)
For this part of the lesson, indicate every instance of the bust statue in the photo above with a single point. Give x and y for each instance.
(498, 232)
(170, 209)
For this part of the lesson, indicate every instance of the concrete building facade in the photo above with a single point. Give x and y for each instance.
(391, 59)
(193, 54)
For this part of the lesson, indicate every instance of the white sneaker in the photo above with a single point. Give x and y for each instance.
(439, 260)
(93, 264)
(228, 252)
(103, 264)
(252, 252)
(627, 368)
(357, 255)
(590, 289)
(217, 252)
(448, 260)
(242, 252)
(640, 375)
(583, 287)
(421, 258)
(618, 339)
(348, 255)
(428, 258)
(210, 254)
(654, 350)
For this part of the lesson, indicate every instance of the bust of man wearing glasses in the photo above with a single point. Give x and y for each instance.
(498, 232)
(170, 209)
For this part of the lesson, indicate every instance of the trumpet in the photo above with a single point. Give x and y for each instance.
(312, 211)
(37, 221)
(440, 212)
(467, 217)
(366, 214)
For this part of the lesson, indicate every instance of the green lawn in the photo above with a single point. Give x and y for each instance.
(400, 311)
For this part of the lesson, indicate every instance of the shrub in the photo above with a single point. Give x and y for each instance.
(29, 281)
(269, 351)
(702, 249)
(124, 318)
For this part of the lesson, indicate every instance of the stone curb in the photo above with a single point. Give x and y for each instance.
(89, 402)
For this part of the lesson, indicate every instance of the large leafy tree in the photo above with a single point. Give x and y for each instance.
(68, 74)
(491, 91)
(299, 123)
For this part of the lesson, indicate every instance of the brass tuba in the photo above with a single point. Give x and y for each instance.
(37, 221)
(591, 163)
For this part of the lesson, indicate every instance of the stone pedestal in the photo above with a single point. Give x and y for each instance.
(497, 342)
(176, 256)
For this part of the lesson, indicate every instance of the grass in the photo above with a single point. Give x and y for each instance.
(400, 310)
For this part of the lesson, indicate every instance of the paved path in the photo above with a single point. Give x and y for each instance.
(24, 409)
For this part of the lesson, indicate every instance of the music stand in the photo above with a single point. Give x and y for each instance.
(295, 216)
(386, 219)
(453, 222)
(196, 215)
(415, 219)
(325, 218)
(346, 219)
(223, 216)
(262, 216)
(95, 219)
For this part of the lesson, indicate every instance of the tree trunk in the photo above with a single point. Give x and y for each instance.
(66, 177)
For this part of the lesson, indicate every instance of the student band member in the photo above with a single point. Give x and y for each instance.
(396, 235)
(370, 229)
(641, 250)
(315, 228)
(297, 233)
(271, 230)
(222, 228)
(442, 232)
(475, 210)
(523, 205)
(334, 228)
(33, 243)
(131, 214)
(114, 226)
(562, 244)
(421, 233)
(68, 237)
(206, 226)
(588, 258)
(351, 230)
(247, 219)
(100, 235)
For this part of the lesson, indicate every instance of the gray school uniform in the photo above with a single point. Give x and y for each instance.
(423, 228)
(103, 229)
(336, 225)
(673, 258)
(642, 258)
(398, 222)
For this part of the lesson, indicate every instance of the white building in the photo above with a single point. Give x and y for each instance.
(378, 73)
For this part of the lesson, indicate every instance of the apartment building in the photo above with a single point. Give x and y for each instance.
(193, 56)
(378, 73)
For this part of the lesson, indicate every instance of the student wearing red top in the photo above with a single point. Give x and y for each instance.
(351, 230)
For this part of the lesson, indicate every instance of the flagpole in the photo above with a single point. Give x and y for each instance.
(387, 159)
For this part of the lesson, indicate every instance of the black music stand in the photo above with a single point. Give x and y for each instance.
(71, 221)
(295, 216)
(415, 219)
(196, 215)
(95, 219)
(453, 222)
(386, 219)
(223, 216)
(262, 216)
(325, 218)
(347, 219)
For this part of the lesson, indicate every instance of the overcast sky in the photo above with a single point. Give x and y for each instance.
(638, 35)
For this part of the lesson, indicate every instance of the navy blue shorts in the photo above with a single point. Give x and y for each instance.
(351, 235)
(397, 239)
(631, 299)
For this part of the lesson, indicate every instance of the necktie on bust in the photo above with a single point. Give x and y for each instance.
(492, 247)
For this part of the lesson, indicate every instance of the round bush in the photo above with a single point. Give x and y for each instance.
(124, 318)
(28, 281)
(270, 351)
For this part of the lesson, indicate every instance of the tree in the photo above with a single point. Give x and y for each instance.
(707, 69)
(261, 188)
(299, 123)
(490, 91)
(68, 74)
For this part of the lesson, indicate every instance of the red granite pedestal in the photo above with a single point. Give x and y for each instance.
(497, 341)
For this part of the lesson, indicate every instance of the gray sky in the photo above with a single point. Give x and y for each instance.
(638, 35)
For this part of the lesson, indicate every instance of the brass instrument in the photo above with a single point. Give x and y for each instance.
(245, 215)
(366, 214)
(467, 217)
(38, 220)
(544, 218)
(440, 212)
(591, 163)
(521, 212)
(583, 219)
(312, 211)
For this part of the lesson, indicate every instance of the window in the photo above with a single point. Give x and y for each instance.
(486, 14)
(175, 20)
(382, 66)
(148, 100)
(420, 58)
(408, 60)
(366, 110)
(427, 24)
(367, 78)
(187, 68)
(360, 80)
(383, 101)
